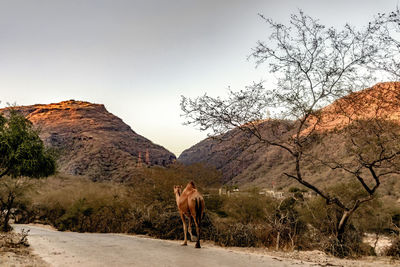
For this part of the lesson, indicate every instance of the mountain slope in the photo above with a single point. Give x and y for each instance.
(265, 166)
(236, 151)
(93, 142)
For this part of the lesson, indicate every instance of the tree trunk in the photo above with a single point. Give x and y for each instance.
(7, 216)
(278, 237)
(342, 225)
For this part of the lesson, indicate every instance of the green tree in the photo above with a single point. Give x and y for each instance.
(22, 154)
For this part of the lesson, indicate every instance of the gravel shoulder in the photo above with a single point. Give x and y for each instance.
(94, 249)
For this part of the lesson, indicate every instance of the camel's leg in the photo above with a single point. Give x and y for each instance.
(198, 233)
(190, 230)
(184, 229)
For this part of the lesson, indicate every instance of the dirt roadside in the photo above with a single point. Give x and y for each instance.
(15, 252)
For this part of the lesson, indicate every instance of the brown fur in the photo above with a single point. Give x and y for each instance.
(190, 204)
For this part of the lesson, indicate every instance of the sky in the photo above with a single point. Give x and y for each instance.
(138, 57)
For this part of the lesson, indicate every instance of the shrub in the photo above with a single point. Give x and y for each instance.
(236, 234)
(394, 249)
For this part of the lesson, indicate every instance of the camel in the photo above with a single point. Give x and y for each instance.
(190, 204)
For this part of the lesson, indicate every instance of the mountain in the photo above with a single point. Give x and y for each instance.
(92, 142)
(380, 101)
(263, 166)
(235, 151)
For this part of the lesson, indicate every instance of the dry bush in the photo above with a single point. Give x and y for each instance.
(321, 221)
(247, 208)
(250, 219)
(236, 234)
(394, 249)
(12, 240)
(13, 197)
(70, 203)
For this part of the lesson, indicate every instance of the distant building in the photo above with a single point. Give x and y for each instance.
(310, 194)
(272, 193)
(222, 191)
(228, 192)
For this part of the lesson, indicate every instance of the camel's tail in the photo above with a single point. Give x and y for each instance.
(199, 206)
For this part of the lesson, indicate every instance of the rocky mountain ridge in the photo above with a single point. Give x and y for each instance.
(92, 142)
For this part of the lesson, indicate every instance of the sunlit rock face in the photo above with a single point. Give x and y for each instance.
(92, 142)
(382, 101)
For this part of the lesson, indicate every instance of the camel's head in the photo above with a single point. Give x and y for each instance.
(177, 189)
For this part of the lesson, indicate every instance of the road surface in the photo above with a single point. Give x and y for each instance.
(93, 249)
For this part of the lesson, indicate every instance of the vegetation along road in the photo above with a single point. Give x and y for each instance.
(89, 249)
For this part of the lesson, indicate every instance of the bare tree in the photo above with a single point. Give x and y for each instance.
(284, 222)
(313, 66)
(11, 191)
(390, 56)
(372, 152)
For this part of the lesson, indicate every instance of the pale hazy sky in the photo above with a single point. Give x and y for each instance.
(138, 57)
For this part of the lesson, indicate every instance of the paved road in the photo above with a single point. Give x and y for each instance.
(87, 249)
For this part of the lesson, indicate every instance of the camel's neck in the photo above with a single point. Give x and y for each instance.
(177, 196)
